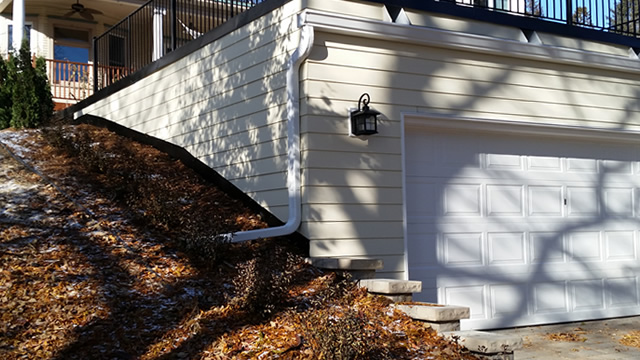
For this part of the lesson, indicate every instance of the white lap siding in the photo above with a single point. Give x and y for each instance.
(354, 186)
(224, 103)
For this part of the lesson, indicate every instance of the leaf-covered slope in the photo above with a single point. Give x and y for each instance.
(112, 254)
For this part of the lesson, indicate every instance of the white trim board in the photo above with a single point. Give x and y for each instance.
(453, 122)
(386, 31)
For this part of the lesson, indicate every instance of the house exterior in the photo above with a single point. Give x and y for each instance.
(505, 174)
(63, 37)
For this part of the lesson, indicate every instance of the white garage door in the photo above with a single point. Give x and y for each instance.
(523, 229)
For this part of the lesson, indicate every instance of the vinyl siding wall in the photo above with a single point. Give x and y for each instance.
(353, 192)
(38, 45)
(224, 103)
(4, 34)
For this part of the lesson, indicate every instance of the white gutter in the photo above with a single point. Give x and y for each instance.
(418, 35)
(293, 143)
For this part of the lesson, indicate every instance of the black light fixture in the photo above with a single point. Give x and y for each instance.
(364, 121)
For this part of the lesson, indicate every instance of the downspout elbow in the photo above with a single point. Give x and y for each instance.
(293, 144)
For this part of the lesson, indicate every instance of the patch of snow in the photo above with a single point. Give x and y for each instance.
(98, 233)
(13, 187)
(389, 311)
(73, 225)
(36, 218)
(191, 292)
(12, 138)
(50, 250)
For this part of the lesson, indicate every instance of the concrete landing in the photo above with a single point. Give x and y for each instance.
(487, 345)
(484, 341)
(593, 340)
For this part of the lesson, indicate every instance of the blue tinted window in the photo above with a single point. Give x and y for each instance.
(27, 33)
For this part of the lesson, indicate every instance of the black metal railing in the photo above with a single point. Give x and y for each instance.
(615, 21)
(161, 26)
(618, 16)
(156, 28)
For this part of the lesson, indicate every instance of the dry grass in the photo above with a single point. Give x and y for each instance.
(575, 336)
(631, 339)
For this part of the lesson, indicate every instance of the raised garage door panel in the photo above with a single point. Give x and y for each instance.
(523, 229)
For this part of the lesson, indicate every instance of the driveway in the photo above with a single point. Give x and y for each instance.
(598, 339)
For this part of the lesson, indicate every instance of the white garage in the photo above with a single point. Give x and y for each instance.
(523, 223)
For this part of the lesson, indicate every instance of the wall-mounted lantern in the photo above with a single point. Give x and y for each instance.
(364, 121)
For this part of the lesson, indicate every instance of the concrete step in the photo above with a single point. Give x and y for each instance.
(487, 345)
(435, 312)
(344, 263)
(440, 317)
(359, 268)
(392, 286)
(394, 289)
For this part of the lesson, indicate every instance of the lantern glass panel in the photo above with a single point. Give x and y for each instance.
(371, 122)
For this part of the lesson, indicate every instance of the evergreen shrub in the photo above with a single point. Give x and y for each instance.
(25, 93)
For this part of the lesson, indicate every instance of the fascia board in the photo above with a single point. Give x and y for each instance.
(380, 30)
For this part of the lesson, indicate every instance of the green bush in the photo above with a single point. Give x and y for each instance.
(25, 94)
(5, 92)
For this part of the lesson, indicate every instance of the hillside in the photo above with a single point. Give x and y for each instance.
(108, 250)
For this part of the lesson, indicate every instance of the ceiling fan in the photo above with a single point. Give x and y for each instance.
(85, 12)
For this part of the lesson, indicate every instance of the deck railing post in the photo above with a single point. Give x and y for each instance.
(128, 44)
(569, 6)
(95, 64)
(174, 24)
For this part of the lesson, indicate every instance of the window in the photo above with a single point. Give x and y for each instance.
(27, 33)
(73, 46)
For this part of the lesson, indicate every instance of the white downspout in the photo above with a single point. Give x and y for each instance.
(293, 143)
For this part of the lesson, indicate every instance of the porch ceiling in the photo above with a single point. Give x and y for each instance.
(4, 4)
(112, 10)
